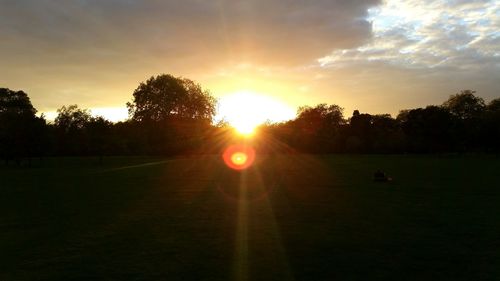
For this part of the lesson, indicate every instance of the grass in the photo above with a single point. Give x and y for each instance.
(303, 218)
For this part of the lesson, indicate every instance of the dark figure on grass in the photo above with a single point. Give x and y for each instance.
(380, 176)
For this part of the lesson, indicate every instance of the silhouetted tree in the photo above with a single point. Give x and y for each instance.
(22, 134)
(129, 137)
(316, 128)
(372, 134)
(491, 128)
(468, 111)
(387, 136)
(70, 126)
(427, 129)
(360, 133)
(164, 96)
(494, 105)
(15, 102)
(175, 114)
(465, 105)
(99, 132)
(72, 118)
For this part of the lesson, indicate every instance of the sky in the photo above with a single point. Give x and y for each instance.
(372, 55)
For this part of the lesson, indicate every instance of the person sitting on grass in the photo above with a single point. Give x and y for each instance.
(380, 176)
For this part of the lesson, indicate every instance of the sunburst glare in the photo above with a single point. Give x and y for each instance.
(246, 110)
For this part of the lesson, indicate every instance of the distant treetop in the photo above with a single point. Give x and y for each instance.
(465, 105)
(16, 102)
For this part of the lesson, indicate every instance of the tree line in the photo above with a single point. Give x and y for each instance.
(463, 123)
(171, 115)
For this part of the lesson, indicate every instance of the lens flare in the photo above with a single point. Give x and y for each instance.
(239, 157)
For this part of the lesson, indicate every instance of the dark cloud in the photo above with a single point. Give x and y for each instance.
(241, 30)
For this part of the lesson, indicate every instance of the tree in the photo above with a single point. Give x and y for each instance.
(317, 127)
(387, 134)
(15, 102)
(70, 125)
(174, 114)
(330, 115)
(468, 111)
(427, 129)
(491, 129)
(465, 105)
(99, 136)
(72, 118)
(494, 105)
(360, 132)
(22, 133)
(166, 96)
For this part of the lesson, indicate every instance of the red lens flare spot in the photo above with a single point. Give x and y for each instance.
(239, 157)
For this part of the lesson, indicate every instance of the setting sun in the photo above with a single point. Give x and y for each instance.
(246, 110)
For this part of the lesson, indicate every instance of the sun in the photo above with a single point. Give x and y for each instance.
(245, 110)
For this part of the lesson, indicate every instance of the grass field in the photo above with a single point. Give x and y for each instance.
(287, 218)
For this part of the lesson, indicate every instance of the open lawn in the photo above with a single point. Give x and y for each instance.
(293, 217)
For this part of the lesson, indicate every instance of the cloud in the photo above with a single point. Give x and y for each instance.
(258, 30)
(423, 51)
(429, 34)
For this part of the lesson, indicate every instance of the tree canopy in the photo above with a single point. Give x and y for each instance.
(465, 105)
(16, 102)
(494, 105)
(166, 96)
(22, 133)
(72, 118)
